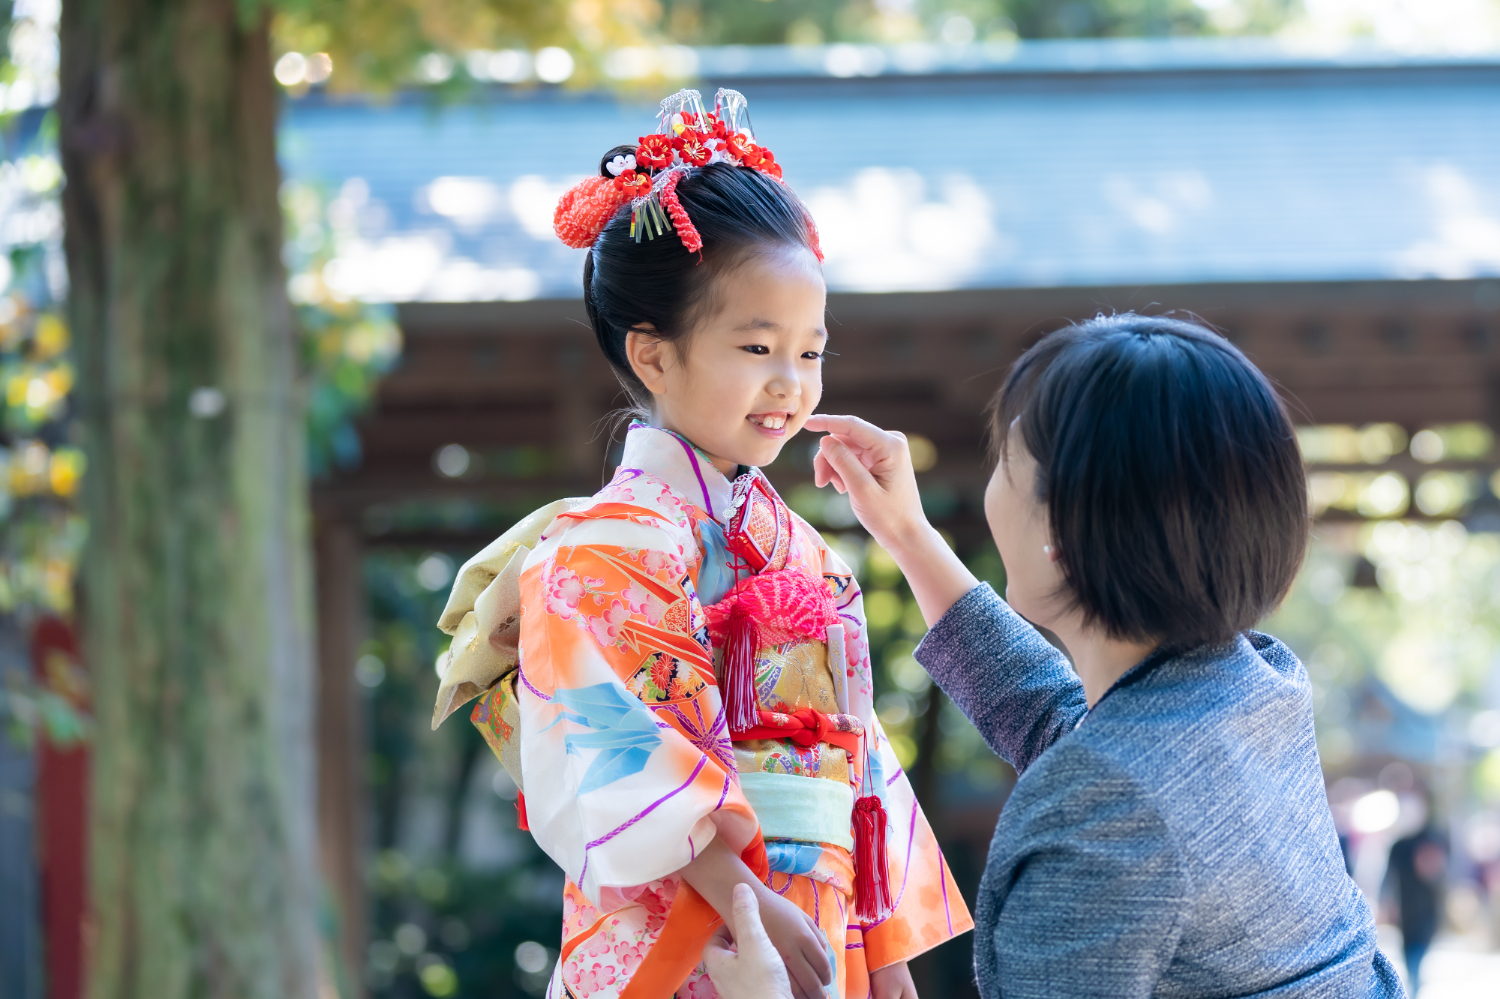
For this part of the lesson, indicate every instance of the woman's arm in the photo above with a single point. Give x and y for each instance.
(1013, 685)
(1016, 688)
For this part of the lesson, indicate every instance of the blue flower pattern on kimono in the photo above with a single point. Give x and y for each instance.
(621, 728)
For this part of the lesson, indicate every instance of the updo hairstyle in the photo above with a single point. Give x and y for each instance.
(658, 283)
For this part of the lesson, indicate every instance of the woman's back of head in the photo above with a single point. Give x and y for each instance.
(1169, 471)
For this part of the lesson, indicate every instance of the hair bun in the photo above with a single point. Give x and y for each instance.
(617, 161)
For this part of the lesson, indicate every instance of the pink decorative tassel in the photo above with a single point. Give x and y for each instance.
(872, 874)
(739, 670)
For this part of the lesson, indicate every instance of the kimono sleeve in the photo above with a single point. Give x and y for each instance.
(628, 768)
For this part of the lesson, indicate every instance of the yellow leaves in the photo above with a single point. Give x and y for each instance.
(51, 337)
(375, 45)
(28, 470)
(65, 470)
(38, 391)
(32, 469)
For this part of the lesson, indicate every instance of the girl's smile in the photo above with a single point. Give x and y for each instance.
(771, 424)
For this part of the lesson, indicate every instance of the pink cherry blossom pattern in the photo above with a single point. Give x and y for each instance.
(657, 562)
(630, 954)
(643, 602)
(698, 986)
(565, 591)
(607, 626)
(596, 978)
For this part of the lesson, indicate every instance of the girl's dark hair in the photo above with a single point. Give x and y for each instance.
(658, 283)
(1170, 473)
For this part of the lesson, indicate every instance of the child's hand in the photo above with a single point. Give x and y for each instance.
(741, 960)
(873, 468)
(799, 942)
(892, 982)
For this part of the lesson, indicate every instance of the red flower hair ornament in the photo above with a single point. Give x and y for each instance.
(687, 138)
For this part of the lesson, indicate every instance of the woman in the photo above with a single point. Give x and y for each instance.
(1169, 834)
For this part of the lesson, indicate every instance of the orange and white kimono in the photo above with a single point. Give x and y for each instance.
(625, 756)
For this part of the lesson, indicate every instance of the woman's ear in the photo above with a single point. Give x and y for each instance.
(648, 356)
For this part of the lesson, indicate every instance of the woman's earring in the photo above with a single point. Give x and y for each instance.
(1050, 552)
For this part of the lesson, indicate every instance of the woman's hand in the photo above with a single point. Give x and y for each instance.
(798, 940)
(892, 982)
(741, 960)
(717, 874)
(873, 468)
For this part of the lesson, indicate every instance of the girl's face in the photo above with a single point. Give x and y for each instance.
(746, 378)
(1018, 521)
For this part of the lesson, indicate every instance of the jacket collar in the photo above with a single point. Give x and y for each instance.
(681, 465)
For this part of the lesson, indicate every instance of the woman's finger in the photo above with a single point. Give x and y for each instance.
(867, 456)
(863, 433)
(824, 473)
(857, 478)
(718, 955)
(749, 932)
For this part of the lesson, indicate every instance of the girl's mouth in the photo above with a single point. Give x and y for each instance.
(770, 424)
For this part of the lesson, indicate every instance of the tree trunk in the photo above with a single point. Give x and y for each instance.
(197, 575)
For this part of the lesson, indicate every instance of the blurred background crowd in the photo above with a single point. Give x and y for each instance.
(1319, 179)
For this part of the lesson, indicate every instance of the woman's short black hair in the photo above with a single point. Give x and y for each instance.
(658, 283)
(1170, 473)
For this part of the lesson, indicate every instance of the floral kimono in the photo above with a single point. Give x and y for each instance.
(616, 726)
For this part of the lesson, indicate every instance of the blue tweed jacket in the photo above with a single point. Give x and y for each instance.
(1174, 842)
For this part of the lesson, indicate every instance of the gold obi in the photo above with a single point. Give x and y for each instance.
(788, 677)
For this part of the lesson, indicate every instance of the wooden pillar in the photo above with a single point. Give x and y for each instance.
(578, 434)
(341, 740)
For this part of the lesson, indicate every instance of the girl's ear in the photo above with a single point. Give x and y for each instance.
(648, 356)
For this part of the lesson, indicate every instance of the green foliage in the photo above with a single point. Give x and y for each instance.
(442, 925)
(347, 345)
(767, 22)
(376, 44)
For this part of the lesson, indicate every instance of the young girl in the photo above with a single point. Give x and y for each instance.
(691, 709)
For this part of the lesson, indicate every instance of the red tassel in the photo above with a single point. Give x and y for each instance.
(521, 822)
(872, 873)
(739, 672)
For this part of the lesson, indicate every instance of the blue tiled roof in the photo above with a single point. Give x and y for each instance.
(1098, 163)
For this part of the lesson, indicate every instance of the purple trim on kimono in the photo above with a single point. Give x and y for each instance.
(702, 761)
(522, 674)
(708, 504)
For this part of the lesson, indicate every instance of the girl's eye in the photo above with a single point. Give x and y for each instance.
(758, 348)
(813, 355)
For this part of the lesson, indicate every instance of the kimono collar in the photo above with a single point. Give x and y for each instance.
(682, 466)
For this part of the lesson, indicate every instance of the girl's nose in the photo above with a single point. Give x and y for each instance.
(785, 384)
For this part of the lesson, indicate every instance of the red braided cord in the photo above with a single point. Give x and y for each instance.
(680, 221)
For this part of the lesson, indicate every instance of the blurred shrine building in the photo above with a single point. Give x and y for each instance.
(1336, 215)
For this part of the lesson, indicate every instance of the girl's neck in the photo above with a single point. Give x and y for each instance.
(728, 469)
